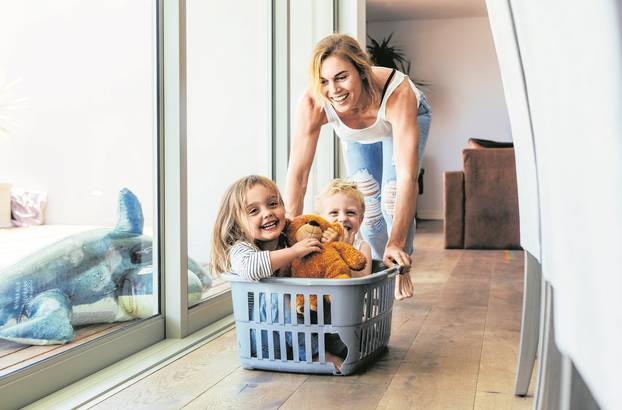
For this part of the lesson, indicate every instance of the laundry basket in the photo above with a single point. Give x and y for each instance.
(272, 336)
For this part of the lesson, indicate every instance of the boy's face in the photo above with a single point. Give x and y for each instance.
(343, 209)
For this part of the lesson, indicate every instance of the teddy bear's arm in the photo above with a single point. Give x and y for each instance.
(354, 258)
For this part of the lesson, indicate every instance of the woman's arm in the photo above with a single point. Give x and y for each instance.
(401, 112)
(309, 120)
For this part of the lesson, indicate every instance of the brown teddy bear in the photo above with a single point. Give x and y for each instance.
(333, 262)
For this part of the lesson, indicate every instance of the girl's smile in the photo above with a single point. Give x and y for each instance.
(265, 213)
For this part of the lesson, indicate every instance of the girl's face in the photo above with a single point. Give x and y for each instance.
(341, 83)
(265, 214)
(344, 210)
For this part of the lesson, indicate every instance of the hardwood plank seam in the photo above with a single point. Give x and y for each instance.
(481, 352)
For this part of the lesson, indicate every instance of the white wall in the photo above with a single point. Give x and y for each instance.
(458, 58)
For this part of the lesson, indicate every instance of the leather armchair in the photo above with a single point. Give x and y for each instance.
(481, 202)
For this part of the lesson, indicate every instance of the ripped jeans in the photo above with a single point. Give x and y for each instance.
(372, 167)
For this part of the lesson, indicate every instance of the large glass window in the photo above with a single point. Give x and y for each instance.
(78, 121)
(229, 109)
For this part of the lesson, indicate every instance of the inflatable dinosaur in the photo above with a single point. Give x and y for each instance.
(97, 276)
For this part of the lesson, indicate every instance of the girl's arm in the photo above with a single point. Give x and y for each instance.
(401, 112)
(283, 257)
(252, 264)
(309, 120)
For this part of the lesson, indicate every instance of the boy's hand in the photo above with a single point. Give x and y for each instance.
(306, 246)
(348, 236)
(330, 235)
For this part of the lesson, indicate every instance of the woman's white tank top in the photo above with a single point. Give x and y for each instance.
(380, 129)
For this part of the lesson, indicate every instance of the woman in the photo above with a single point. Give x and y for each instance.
(382, 120)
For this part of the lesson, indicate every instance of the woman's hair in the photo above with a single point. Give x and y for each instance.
(346, 47)
(341, 186)
(231, 223)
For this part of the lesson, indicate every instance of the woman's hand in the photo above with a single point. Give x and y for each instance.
(305, 247)
(403, 283)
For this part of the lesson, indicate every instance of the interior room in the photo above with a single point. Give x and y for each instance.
(124, 125)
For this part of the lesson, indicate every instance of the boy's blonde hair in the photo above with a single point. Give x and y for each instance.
(341, 186)
(346, 47)
(231, 223)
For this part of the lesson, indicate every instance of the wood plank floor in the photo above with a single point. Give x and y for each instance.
(453, 346)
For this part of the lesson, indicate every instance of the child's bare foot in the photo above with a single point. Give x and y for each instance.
(335, 360)
(403, 286)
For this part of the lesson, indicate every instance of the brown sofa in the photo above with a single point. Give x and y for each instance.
(481, 202)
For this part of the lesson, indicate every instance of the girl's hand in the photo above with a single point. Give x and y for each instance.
(306, 246)
(330, 235)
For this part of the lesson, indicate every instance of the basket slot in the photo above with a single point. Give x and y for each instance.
(287, 306)
(370, 336)
(256, 315)
(250, 304)
(320, 309)
(307, 310)
(364, 318)
(260, 343)
(321, 347)
(281, 310)
(308, 347)
(270, 338)
(369, 303)
(295, 347)
(273, 309)
(251, 343)
(294, 315)
(283, 346)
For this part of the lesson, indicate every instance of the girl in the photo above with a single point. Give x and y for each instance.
(248, 235)
(342, 202)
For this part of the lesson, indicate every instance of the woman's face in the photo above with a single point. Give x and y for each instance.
(341, 83)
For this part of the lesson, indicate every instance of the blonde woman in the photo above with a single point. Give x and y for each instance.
(382, 120)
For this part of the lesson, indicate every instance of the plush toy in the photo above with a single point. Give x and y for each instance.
(97, 276)
(333, 262)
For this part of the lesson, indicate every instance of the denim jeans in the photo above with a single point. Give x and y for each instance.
(372, 167)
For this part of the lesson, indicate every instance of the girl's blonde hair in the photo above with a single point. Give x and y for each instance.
(231, 223)
(341, 186)
(348, 48)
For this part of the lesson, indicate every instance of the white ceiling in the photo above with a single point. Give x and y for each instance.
(383, 10)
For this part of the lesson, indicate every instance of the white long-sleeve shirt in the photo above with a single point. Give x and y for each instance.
(249, 262)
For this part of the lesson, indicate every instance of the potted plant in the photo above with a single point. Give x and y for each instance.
(384, 54)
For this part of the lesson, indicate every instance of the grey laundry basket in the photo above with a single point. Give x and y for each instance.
(359, 312)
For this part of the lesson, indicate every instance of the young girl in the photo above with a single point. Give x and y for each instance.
(247, 238)
(248, 241)
(342, 202)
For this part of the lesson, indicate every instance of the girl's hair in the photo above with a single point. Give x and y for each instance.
(346, 47)
(341, 186)
(231, 223)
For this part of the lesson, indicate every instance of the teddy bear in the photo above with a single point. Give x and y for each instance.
(334, 261)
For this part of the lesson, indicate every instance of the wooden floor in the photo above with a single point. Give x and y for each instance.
(453, 346)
